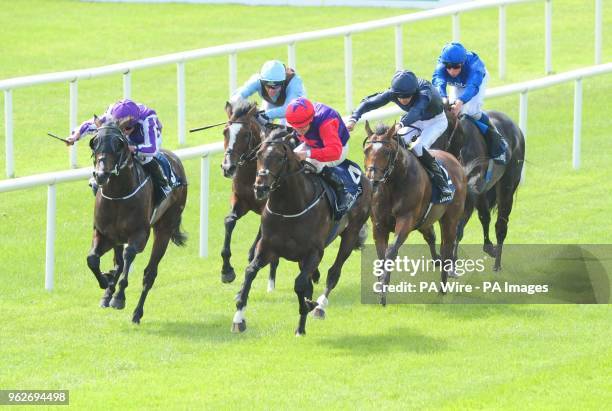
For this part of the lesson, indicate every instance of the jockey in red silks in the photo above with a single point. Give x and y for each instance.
(143, 130)
(324, 140)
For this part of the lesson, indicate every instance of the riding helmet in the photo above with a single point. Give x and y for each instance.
(453, 53)
(300, 112)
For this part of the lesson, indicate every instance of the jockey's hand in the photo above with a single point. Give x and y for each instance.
(350, 125)
(456, 108)
(72, 139)
(132, 149)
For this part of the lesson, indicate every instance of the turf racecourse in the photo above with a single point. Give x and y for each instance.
(183, 355)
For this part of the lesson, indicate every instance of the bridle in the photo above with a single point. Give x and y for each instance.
(123, 156)
(278, 177)
(391, 160)
(251, 152)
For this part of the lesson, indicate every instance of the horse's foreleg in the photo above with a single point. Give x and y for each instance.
(150, 273)
(429, 234)
(448, 228)
(129, 253)
(272, 275)
(484, 214)
(505, 200)
(349, 240)
(260, 260)
(113, 276)
(303, 289)
(227, 272)
(99, 247)
(273, 263)
(403, 226)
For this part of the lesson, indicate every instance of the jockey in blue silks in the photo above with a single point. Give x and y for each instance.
(467, 75)
(143, 130)
(424, 114)
(277, 85)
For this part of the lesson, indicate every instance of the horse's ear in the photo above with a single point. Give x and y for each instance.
(393, 130)
(228, 109)
(97, 121)
(368, 129)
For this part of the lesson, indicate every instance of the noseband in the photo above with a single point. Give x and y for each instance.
(123, 156)
(251, 152)
(391, 159)
(283, 165)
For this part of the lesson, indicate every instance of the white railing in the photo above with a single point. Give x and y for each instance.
(232, 50)
(51, 179)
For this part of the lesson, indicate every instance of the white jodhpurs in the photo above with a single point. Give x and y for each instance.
(472, 108)
(426, 133)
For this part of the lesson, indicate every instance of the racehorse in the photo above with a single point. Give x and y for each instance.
(123, 211)
(296, 224)
(489, 184)
(241, 139)
(401, 202)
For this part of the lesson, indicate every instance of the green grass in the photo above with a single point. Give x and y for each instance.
(183, 355)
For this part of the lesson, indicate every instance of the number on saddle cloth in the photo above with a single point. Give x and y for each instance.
(350, 174)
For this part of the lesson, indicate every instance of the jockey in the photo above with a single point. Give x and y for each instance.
(424, 114)
(277, 85)
(143, 130)
(324, 140)
(466, 74)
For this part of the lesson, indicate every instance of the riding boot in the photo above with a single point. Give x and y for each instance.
(160, 182)
(495, 141)
(438, 176)
(338, 186)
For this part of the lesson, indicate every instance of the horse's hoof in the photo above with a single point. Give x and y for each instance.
(383, 300)
(490, 249)
(497, 267)
(117, 303)
(299, 333)
(318, 314)
(271, 285)
(104, 302)
(103, 282)
(239, 327)
(136, 319)
(228, 277)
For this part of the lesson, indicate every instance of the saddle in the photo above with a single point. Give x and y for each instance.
(350, 174)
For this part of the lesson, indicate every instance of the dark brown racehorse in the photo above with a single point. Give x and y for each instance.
(123, 212)
(402, 194)
(296, 224)
(464, 140)
(241, 139)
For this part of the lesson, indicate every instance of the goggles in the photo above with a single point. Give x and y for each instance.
(452, 65)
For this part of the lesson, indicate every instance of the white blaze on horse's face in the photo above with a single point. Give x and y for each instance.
(234, 129)
(376, 147)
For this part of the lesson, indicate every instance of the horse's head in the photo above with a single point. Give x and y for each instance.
(241, 136)
(275, 159)
(110, 150)
(380, 149)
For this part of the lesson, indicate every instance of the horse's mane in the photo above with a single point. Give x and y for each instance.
(242, 107)
(277, 134)
(381, 129)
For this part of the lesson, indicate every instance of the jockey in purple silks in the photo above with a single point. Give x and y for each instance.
(143, 130)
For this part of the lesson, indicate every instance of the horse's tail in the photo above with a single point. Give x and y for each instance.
(178, 237)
